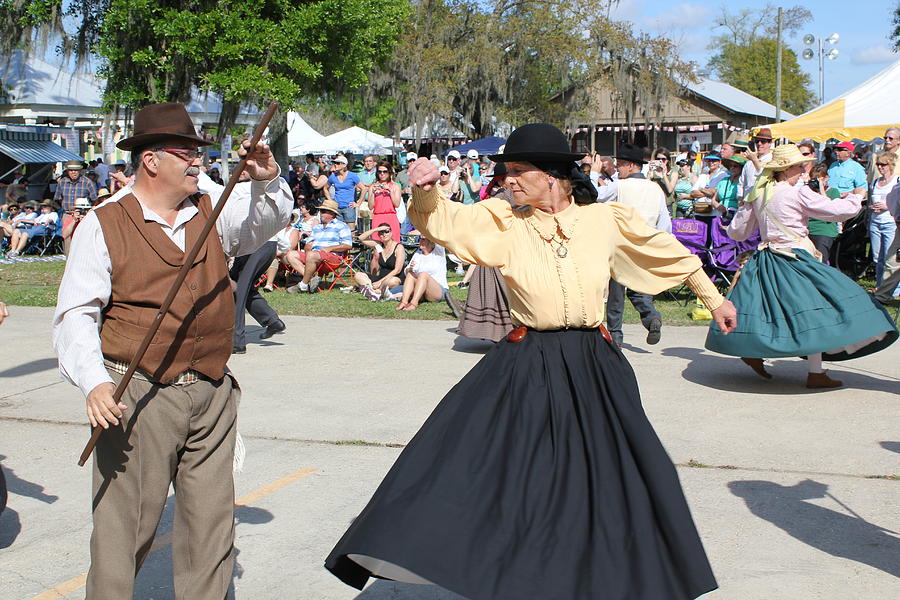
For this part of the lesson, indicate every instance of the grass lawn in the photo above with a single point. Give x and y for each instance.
(36, 284)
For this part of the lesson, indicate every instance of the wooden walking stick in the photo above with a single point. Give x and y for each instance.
(179, 279)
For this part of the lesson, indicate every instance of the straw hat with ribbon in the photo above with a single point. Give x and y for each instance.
(330, 205)
(783, 157)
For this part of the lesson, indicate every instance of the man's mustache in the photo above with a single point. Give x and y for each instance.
(192, 171)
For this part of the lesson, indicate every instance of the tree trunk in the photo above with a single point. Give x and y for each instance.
(278, 139)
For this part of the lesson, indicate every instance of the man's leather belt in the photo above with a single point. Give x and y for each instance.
(185, 378)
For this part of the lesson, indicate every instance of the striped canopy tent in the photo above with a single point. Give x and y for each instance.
(863, 113)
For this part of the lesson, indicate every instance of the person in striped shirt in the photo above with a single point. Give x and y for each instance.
(331, 240)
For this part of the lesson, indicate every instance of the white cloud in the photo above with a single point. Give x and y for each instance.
(625, 10)
(873, 55)
(683, 16)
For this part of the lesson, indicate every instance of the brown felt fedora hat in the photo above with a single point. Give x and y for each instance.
(163, 121)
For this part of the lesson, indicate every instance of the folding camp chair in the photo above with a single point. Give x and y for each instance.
(693, 235)
(340, 273)
(50, 241)
(725, 252)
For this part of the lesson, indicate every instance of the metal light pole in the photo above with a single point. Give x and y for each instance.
(778, 71)
(832, 54)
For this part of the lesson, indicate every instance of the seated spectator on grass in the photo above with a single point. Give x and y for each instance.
(11, 215)
(30, 228)
(386, 265)
(285, 240)
(73, 218)
(309, 218)
(426, 276)
(19, 212)
(331, 240)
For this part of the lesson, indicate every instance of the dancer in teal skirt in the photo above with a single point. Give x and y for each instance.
(789, 303)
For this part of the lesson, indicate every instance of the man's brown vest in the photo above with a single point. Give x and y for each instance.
(196, 333)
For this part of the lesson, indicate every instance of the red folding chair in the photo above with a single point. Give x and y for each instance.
(341, 273)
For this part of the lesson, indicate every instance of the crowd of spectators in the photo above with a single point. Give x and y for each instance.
(352, 210)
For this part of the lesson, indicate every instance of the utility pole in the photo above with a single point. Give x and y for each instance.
(778, 71)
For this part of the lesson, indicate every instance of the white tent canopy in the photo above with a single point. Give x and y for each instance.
(358, 141)
(864, 112)
(302, 138)
(353, 139)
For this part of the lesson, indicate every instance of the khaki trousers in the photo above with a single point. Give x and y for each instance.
(179, 434)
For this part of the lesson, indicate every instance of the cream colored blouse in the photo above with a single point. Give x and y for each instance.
(551, 288)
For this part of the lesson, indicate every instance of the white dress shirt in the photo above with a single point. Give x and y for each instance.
(610, 193)
(255, 211)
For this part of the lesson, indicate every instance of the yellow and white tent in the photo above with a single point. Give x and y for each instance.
(862, 113)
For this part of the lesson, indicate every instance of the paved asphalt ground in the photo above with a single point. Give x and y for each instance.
(792, 490)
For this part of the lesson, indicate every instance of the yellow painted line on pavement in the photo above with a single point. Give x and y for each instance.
(63, 589)
(76, 583)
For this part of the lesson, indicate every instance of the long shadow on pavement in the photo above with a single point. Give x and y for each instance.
(392, 590)
(729, 374)
(842, 535)
(29, 368)
(892, 446)
(22, 487)
(470, 346)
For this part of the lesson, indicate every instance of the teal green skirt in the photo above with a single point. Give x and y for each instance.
(799, 306)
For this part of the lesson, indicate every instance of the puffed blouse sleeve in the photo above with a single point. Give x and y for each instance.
(651, 261)
(477, 233)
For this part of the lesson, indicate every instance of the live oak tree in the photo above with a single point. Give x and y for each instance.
(247, 52)
(477, 62)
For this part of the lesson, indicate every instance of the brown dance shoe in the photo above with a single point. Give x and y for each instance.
(821, 380)
(757, 365)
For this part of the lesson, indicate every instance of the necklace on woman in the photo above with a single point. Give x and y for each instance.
(561, 249)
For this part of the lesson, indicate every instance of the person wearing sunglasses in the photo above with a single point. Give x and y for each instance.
(883, 224)
(385, 197)
(759, 154)
(386, 266)
(121, 265)
(684, 202)
(846, 174)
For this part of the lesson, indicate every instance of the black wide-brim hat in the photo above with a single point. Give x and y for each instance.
(163, 121)
(539, 142)
(631, 153)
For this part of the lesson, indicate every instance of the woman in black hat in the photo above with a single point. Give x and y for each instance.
(538, 475)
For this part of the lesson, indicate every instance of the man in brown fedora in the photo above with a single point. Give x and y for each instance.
(759, 154)
(176, 421)
(73, 184)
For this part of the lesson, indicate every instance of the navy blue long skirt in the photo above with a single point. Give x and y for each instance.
(537, 476)
(797, 307)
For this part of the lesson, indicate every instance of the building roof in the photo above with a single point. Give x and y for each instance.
(735, 100)
(28, 147)
(32, 80)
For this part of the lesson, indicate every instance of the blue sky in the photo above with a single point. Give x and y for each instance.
(863, 26)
